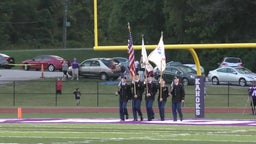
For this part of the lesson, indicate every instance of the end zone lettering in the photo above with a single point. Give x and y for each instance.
(199, 96)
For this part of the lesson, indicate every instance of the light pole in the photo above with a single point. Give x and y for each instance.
(64, 35)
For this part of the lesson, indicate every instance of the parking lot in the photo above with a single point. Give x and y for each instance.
(14, 75)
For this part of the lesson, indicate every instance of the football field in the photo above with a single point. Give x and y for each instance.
(112, 131)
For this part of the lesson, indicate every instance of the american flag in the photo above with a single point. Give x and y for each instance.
(131, 55)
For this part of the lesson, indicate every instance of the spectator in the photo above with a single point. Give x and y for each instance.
(77, 94)
(58, 85)
(137, 65)
(75, 69)
(252, 97)
(65, 70)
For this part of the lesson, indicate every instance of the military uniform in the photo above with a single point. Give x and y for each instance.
(125, 94)
(151, 90)
(138, 89)
(162, 98)
(178, 95)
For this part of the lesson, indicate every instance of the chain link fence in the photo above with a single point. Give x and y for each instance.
(42, 93)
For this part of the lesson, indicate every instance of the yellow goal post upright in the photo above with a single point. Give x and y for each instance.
(199, 95)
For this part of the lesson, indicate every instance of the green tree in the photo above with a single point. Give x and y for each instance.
(80, 16)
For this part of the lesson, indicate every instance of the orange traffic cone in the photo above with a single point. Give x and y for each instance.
(19, 113)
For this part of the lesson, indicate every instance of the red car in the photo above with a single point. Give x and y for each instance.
(50, 62)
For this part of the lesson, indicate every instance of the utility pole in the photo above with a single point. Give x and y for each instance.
(64, 35)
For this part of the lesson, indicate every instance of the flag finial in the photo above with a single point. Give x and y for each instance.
(129, 27)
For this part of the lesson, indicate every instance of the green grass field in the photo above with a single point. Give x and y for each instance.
(123, 134)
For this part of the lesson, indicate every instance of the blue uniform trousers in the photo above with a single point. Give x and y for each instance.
(149, 108)
(161, 106)
(136, 108)
(176, 107)
(123, 109)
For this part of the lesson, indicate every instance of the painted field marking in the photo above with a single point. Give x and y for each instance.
(129, 121)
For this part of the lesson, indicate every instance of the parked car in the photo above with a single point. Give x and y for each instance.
(104, 68)
(193, 66)
(5, 60)
(176, 63)
(50, 62)
(232, 75)
(123, 61)
(173, 63)
(184, 73)
(231, 61)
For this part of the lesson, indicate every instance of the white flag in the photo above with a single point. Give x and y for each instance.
(157, 56)
(144, 57)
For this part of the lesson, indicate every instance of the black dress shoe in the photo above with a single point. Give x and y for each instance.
(141, 118)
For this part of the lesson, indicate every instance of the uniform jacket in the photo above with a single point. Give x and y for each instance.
(139, 89)
(152, 89)
(165, 93)
(124, 92)
(77, 94)
(178, 93)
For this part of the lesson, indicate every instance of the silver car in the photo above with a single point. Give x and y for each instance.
(103, 68)
(231, 61)
(6, 60)
(193, 66)
(232, 75)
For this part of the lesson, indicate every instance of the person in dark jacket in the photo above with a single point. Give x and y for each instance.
(162, 98)
(252, 97)
(178, 97)
(125, 94)
(137, 92)
(151, 90)
(77, 95)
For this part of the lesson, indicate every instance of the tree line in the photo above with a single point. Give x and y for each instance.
(34, 24)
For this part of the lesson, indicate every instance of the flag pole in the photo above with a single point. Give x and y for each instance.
(161, 75)
(160, 82)
(132, 75)
(145, 69)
